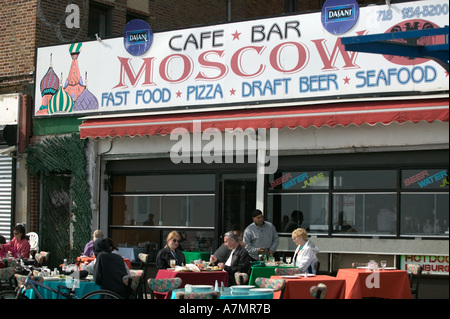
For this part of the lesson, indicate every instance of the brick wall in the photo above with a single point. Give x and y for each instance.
(17, 43)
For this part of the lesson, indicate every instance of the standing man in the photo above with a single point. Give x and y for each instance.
(238, 259)
(260, 237)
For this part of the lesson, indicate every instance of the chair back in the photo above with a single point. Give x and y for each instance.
(33, 238)
(275, 284)
(42, 258)
(241, 278)
(287, 271)
(319, 291)
(415, 271)
(197, 295)
(7, 276)
(163, 285)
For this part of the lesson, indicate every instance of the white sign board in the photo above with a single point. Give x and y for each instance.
(9, 108)
(275, 60)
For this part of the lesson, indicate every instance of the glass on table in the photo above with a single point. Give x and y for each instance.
(173, 263)
(383, 264)
(288, 260)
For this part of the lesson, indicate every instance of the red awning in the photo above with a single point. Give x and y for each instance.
(356, 113)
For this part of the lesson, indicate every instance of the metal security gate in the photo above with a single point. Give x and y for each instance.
(6, 204)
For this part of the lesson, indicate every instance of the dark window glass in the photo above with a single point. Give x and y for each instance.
(365, 179)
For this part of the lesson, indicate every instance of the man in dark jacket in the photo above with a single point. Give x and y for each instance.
(109, 268)
(238, 259)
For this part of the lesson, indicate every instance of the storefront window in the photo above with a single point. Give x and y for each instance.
(365, 213)
(293, 181)
(425, 179)
(424, 214)
(293, 210)
(143, 208)
(365, 179)
(163, 210)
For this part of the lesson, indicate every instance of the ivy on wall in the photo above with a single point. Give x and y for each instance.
(60, 163)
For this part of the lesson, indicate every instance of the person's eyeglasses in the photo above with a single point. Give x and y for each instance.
(175, 240)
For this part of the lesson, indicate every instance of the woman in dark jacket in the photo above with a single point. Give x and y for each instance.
(170, 251)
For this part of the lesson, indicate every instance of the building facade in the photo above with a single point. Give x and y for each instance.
(357, 142)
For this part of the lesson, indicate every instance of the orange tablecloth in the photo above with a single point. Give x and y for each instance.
(298, 288)
(193, 278)
(88, 260)
(390, 284)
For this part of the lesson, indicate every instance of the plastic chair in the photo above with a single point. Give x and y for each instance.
(241, 278)
(275, 284)
(163, 285)
(318, 291)
(33, 238)
(286, 271)
(197, 295)
(415, 271)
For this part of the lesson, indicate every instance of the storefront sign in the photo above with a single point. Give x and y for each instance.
(235, 65)
(432, 265)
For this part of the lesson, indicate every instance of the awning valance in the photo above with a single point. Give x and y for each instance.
(344, 114)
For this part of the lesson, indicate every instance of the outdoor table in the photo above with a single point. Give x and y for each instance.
(88, 260)
(264, 271)
(196, 255)
(85, 287)
(228, 294)
(298, 287)
(193, 278)
(390, 284)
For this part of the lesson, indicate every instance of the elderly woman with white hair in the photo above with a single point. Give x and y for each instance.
(305, 253)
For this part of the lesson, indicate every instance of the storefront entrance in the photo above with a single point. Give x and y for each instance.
(238, 200)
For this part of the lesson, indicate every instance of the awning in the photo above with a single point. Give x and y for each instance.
(344, 114)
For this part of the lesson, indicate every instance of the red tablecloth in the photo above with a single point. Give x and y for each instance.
(88, 260)
(390, 284)
(298, 288)
(193, 278)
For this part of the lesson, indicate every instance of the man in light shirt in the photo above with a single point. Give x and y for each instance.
(237, 261)
(260, 237)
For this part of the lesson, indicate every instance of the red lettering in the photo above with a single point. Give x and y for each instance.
(329, 60)
(127, 70)
(164, 68)
(302, 61)
(203, 61)
(236, 62)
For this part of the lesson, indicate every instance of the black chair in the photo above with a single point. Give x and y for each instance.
(317, 267)
(415, 273)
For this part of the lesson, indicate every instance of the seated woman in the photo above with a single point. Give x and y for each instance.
(170, 251)
(18, 245)
(305, 253)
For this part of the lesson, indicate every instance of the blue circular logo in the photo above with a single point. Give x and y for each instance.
(339, 16)
(137, 37)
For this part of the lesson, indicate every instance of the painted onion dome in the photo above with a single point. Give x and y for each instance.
(50, 81)
(86, 101)
(61, 102)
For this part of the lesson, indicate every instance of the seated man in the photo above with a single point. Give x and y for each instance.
(237, 260)
(109, 268)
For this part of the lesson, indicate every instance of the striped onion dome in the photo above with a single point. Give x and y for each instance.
(50, 81)
(75, 48)
(61, 102)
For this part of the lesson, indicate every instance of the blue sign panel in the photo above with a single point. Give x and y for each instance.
(137, 37)
(339, 16)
